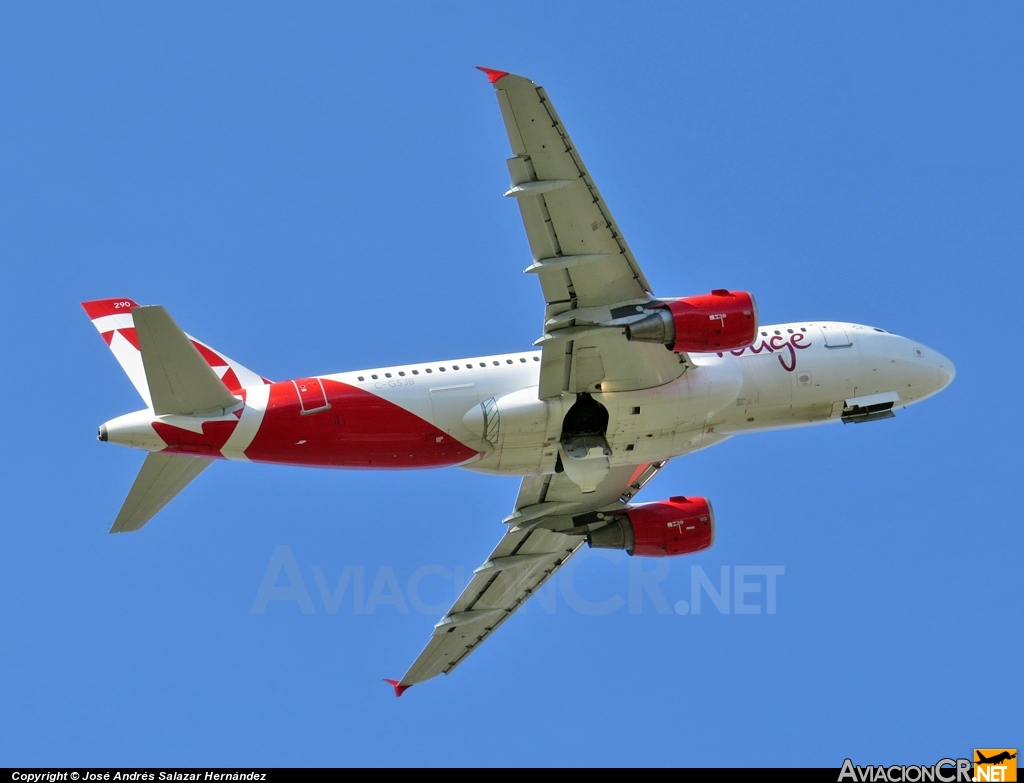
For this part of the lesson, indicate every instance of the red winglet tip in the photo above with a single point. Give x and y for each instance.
(399, 689)
(492, 75)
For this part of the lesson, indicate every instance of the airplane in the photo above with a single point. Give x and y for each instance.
(619, 382)
(996, 759)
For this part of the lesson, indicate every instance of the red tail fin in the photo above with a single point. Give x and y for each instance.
(113, 320)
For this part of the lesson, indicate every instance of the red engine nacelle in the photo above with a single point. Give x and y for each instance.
(719, 321)
(677, 526)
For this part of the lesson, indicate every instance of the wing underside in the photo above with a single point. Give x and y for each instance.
(593, 287)
(518, 566)
(523, 561)
(592, 283)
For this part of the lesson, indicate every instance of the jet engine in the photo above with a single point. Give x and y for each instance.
(719, 321)
(677, 526)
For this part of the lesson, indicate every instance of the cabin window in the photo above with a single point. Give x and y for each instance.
(522, 360)
(508, 361)
(402, 374)
(387, 375)
(415, 372)
(536, 358)
(362, 378)
(428, 370)
(441, 369)
(374, 377)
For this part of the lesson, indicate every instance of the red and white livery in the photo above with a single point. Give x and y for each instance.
(618, 383)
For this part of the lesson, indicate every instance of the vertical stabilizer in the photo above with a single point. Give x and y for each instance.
(114, 321)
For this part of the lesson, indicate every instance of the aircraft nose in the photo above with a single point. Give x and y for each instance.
(947, 372)
(927, 373)
(940, 371)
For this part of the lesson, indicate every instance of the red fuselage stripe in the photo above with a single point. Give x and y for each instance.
(342, 427)
(357, 430)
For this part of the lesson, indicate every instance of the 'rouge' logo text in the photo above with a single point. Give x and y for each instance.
(786, 346)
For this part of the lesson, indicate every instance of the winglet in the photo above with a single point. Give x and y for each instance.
(399, 689)
(492, 75)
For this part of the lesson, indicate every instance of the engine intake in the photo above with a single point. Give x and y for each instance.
(677, 526)
(720, 321)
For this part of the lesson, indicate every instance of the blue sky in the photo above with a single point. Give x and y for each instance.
(315, 188)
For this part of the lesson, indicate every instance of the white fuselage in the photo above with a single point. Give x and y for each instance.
(784, 380)
(795, 374)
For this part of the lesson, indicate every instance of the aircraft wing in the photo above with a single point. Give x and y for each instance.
(587, 272)
(521, 562)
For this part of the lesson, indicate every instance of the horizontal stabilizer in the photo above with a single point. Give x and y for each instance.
(180, 380)
(162, 477)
